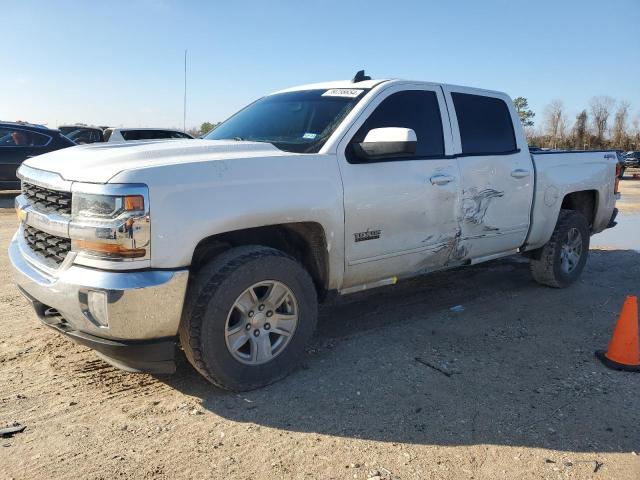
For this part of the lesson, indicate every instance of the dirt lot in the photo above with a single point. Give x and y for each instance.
(522, 396)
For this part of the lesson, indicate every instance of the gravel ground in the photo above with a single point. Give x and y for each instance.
(395, 385)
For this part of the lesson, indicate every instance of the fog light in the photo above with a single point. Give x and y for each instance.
(97, 303)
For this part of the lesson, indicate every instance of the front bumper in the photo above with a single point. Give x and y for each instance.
(130, 318)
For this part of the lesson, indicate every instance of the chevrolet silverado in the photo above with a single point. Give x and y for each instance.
(224, 246)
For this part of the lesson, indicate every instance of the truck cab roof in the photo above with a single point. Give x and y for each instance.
(369, 84)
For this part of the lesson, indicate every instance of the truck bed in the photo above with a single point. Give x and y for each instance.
(560, 172)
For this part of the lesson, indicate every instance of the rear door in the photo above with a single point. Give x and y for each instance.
(497, 177)
(400, 213)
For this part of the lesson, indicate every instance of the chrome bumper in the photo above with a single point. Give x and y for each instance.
(129, 306)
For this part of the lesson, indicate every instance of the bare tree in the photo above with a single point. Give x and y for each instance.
(619, 134)
(591, 126)
(555, 122)
(580, 131)
(600, 110)
(634, 143)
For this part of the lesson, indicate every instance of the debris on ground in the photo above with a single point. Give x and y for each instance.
(11, 430)
(436, 368)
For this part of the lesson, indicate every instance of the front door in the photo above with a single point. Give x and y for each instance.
(400, 213)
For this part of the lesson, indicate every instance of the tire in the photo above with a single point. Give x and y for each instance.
(548, 268)
(216, 304)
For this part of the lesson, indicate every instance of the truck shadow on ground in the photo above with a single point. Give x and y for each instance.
(516, 367)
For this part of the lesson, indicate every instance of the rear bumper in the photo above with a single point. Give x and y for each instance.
(130, 318)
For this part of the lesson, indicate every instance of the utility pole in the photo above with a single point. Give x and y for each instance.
(184, 107)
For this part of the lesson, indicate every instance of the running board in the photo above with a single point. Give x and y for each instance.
(486, 258)
(367, 286)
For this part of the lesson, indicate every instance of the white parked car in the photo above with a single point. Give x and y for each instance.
(131, 134)
(225, 245)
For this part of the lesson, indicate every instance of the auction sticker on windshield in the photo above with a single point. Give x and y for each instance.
(342, 92)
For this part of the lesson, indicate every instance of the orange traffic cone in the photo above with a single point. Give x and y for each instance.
(624, 348)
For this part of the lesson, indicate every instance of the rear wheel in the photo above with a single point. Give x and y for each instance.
(561, 261)
(248, 316)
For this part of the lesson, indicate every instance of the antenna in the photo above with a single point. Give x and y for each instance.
(360, 77)
(184, 109)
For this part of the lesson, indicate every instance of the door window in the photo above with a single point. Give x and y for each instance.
(415, 109)
(485, 124)
(16, 137)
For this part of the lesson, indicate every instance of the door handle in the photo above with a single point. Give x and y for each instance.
(520, 173)
(441, 179)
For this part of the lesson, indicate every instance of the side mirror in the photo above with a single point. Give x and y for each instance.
(387, 142)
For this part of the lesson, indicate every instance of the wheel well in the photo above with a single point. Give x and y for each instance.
(584, 202)
(305, 241)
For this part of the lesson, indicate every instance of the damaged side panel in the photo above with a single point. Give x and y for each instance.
(475, 204)
(495, 206)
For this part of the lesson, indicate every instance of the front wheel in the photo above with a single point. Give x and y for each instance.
(561, 261)
(248, 316)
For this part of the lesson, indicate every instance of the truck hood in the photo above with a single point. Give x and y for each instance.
(99, 162)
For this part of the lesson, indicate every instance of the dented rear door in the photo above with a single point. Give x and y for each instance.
(496, 172)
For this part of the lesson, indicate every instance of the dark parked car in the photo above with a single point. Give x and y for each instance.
(621, 163)
(82, 134)
(131, 134)
(632, 159)
(19, 141)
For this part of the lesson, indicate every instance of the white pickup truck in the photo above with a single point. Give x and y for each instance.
(224, 246)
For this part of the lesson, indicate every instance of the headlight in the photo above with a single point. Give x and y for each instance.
(114, 225)
(105, 206)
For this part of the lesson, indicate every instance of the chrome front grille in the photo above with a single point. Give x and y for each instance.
(49, 247)
(46, 200)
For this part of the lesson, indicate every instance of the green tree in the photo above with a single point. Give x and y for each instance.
(206, 127)
(526, 115)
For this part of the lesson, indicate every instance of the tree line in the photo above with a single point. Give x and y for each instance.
(603, 125)
(205, 128)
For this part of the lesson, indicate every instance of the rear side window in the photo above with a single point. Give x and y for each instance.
(415, 109)
(151, 134)
(485, 124)
(137, 134)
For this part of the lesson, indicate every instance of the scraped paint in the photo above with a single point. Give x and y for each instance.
(476, 202)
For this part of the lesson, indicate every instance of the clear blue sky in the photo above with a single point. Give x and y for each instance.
(121, 62)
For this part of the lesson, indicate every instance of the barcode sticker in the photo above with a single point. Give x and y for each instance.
(342, 92)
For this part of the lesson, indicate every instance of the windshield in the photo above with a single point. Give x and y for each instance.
(298, 122)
